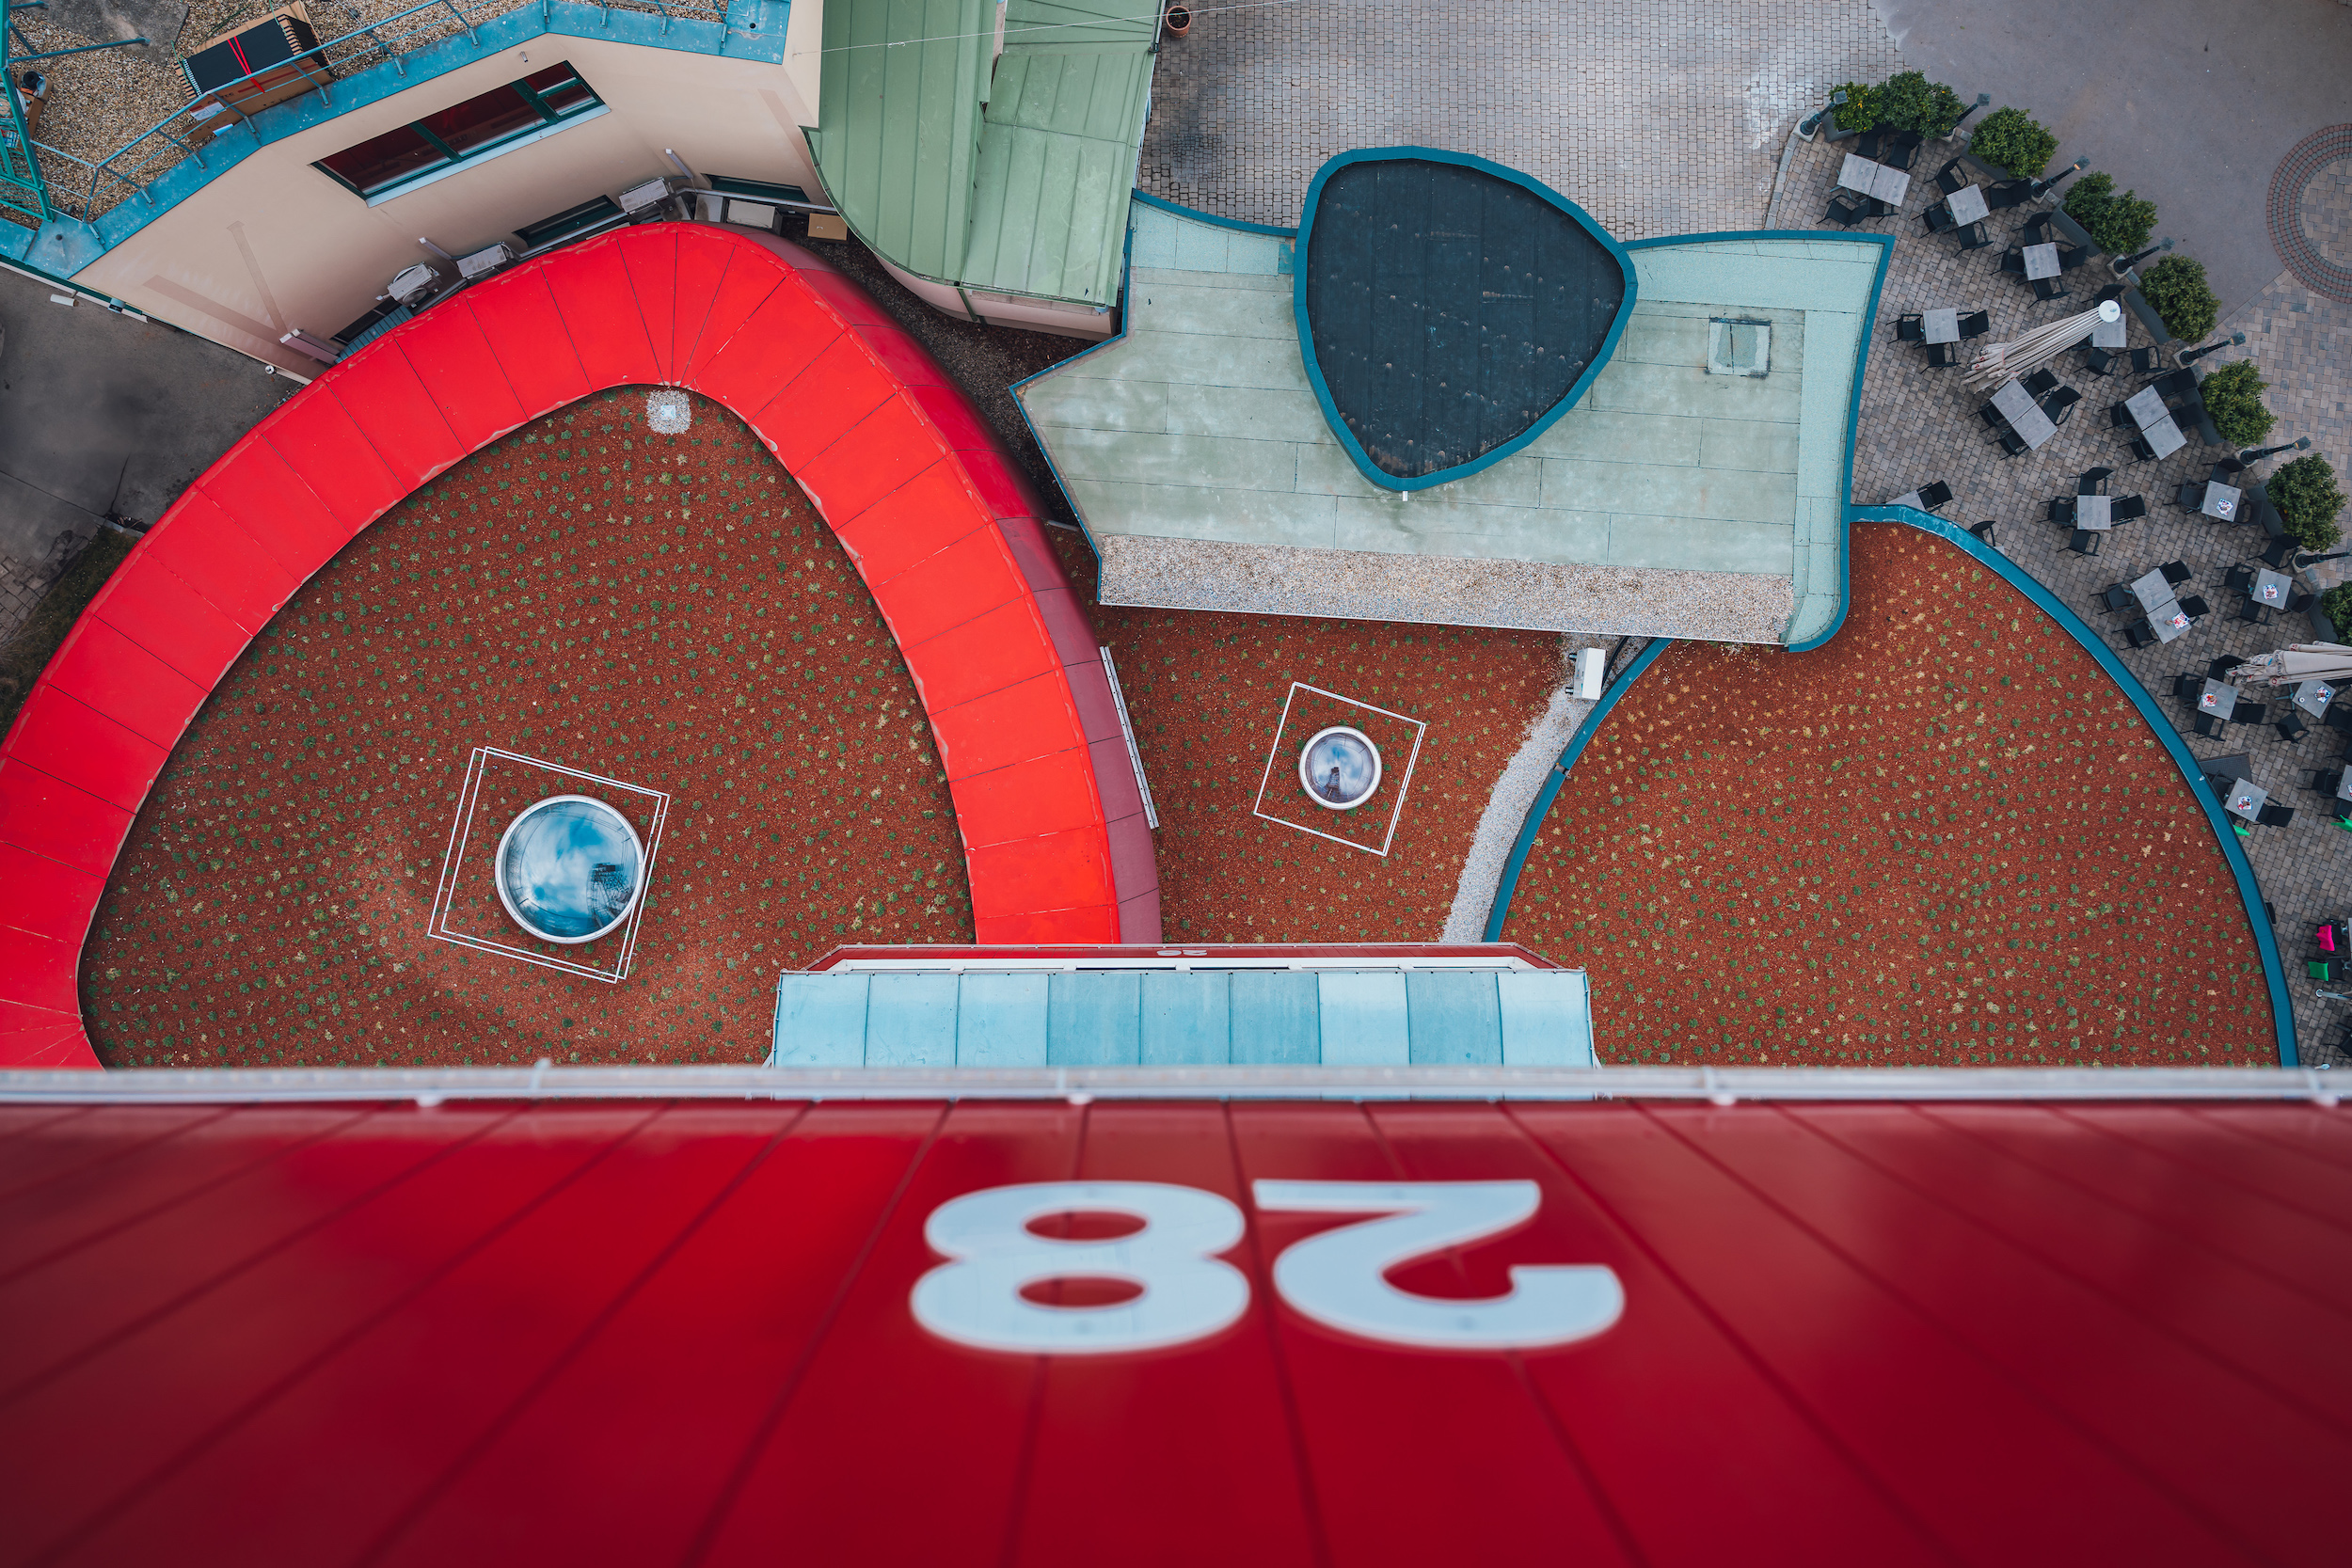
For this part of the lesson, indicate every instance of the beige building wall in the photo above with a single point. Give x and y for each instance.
(274, 245)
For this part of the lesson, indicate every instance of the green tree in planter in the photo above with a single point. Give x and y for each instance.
(2176, 287)
(1909, 102)
(2118, 224)
(2305, 493)
(2336, 604)
(1860, 111)
(2233, 398)
(2014, 140)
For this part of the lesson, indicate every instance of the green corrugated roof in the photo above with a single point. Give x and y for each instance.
(1017, 184)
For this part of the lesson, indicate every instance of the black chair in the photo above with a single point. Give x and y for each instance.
(2188, 687)
(2062, 511)
(2050, 288)
(2176, 572)
(1943, 356)
(2138, 635)
(1871, 143)
(1975, 324)
(2299, 600)
(1975, 238)
(2179, 384)
(1845, 211)
(2092, 481)
(1951, 181)
(2059, 406)
(2195, 607)
(2014, 445)
(1883, 208)
(2256, 614)
(2014, 260)
(2124, 509)
(2219, 669)
(2291, 728)
(1938, 219)
(2137, 446)
(2146, 360)
(2085, 540)
(1911, 330)
(2191, 497)
(1902, 148)
(2212, 729)
(2281, 550)
(1984, 531)
(2273, 815)
(2041, 382)
(2326, 780)
(2225, 470)
(1992, 416)
(2116, 597)
(2006, 194)
(2070, 257)
(1935, 495)
(2036, 229)
(2239, 577)
(2101, 361)
(2338, 719)
(2119, 415)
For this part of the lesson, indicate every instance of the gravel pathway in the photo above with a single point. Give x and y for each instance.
(1547, 735)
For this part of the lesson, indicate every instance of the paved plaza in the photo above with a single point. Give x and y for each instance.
(1662, 119)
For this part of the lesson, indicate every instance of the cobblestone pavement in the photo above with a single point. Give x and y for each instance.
(1663, 118)
(1918, 425)
(21, 585)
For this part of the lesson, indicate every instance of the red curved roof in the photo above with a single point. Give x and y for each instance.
(943, 526)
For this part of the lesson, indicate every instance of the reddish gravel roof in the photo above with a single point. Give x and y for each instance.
(1943, 838)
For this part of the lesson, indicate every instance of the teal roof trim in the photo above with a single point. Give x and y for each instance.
(1345, 437)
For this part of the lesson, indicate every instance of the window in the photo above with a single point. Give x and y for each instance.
(463, 131)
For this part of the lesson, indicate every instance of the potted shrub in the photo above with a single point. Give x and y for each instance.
(2176, 287)
(2117, 225)
(2232, 396)
(2305, 493)
(2333, 612)
(1857, 114)
(1909, 102)
(2013, 140)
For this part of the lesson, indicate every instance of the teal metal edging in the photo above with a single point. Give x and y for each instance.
(1551, 416)
(2249, 891)
(1559, 776)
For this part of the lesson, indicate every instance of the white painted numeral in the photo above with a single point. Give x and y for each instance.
(1188, 1293)
(1338, 1277)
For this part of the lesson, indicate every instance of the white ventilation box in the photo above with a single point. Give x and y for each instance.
(1589, 669)
(484, 262)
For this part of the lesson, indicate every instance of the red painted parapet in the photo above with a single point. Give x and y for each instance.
(943, 529)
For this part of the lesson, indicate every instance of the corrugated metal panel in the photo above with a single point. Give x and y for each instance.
(1258, 1017)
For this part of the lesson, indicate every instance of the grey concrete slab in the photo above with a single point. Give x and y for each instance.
(2191, 102)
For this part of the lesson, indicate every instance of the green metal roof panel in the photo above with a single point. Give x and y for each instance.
(1056, 166)
(899, 124)
(1061, 26)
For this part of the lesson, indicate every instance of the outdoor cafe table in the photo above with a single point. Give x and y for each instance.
(2220, 699)
(2042, 261)
(2147, 407)
(2220, 501)
(2269, 588)
(2152, 591)
(1941, 326)
(1966, 204)
(2091, 512)
(2025, 416)
(2110, 334)
(1889, 185)
(2312, 696)
(2247, 798)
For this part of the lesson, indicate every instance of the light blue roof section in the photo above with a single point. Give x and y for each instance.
(1667, 502)
(1197, 1018)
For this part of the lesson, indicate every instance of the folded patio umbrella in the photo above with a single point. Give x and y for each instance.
(2037, 348)
(2305, 661)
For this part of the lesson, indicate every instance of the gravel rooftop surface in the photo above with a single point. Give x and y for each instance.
(1943, 839)
(661, 609)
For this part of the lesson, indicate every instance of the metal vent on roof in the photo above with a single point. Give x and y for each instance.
(1739, 346)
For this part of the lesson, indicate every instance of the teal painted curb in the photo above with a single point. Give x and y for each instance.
(1551, 416)
(1559, 776)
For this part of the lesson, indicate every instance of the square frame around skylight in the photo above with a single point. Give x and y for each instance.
(1405, 785)
(462, 838)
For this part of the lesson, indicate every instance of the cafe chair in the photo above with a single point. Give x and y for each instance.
(1938, 220)
(1992, 416)
(2137, 446)
(2188, 687)
(2281, 550)
(2006, 194)
(2085, 540)
(1911, 330)
(2326, 780)
(2124, 508)
(2140, 635)
(1951, 181)
(2036, 229)
(2049, 288)
(2255, 613)
(2175, 572)
(2119, 415)
(2070, 257)
(2191, 497)
(1974, 238)
(2299, 600)
(2178, 384)
(1871, 144)
(2062, 510)
(2014, 260)
(1935, 495)
(2147, 361)
(1984, 531)
(2225, 470)
(2239, 577)
(1975, 324)
(1943, 356)
(2291, 728)
(2116, 597)
(1902, 148)
(2195, 607)
(1846, 211)
(2041, 382)
(2101, 361)
(2274, 816)
(2059, 406)
(2014, 445)
(2339, 718)
(2251, 713)
(2219, 669)
(1883, 208)
(2212, 729)
(2092, 481)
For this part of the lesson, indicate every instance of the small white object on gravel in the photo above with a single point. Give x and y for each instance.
(1548, 735)
(669, 411)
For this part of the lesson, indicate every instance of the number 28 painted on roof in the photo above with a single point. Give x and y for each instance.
(1336, 1278)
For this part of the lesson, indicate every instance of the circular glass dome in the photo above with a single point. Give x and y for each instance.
(569, 868)
(1340, 768)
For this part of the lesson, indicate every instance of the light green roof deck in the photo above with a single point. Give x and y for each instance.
(1012, 175)
(1668, 502)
